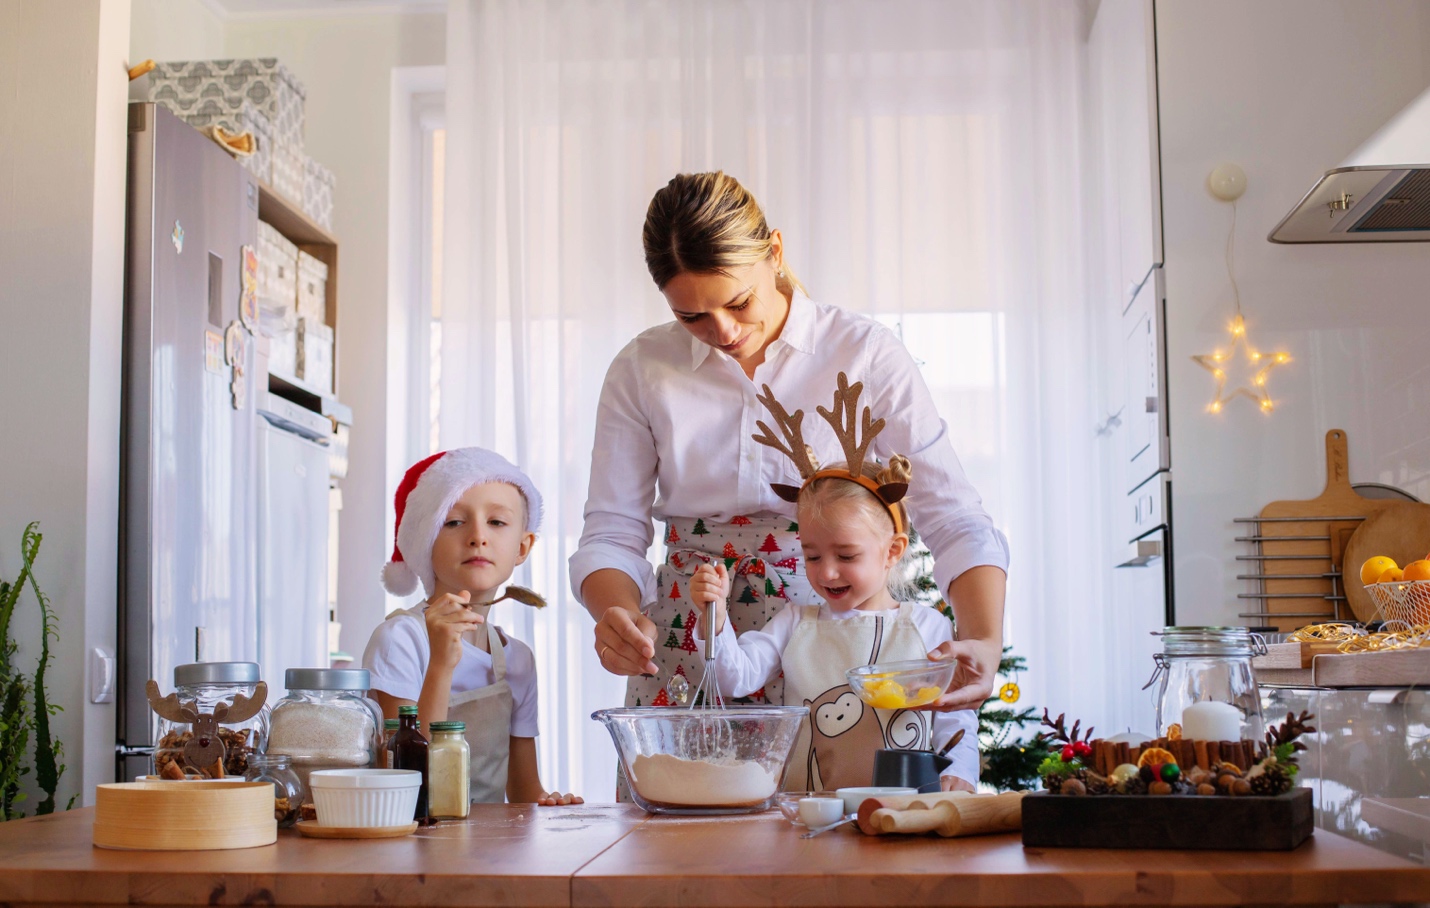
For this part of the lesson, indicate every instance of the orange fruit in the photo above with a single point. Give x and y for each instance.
(1418, 570)
(1392, 575)
(1154, 756)
(1370, 571)
(1174, 732)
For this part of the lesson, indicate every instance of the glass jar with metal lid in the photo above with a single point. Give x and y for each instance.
(215, 718)
(449, 783)
(326, 720)
(1205, 683)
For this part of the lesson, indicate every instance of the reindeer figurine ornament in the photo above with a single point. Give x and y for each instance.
(892, 483)
(205, 749)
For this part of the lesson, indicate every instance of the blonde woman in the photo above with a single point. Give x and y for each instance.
(674, 449)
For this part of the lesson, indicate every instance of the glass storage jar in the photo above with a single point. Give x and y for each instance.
(288, 793)
(326, 720)
(1208, 665)
(449, 781)
(215, 719)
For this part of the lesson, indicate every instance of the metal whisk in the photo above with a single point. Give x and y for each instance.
(711, 737)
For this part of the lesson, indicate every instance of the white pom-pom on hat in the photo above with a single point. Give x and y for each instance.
(427, 492)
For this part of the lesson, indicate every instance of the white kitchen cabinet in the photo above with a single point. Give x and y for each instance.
(1123, 70)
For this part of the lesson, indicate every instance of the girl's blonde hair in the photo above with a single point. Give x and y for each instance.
(820, 494)
(707, 223)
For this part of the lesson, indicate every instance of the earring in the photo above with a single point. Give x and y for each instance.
(781, 273)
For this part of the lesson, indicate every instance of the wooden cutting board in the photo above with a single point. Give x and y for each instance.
(1301, 545)
(1400, 531)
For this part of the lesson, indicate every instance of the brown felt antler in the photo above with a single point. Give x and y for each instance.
(842, 419)
(169, 707)
(797, 451)
(243, 708)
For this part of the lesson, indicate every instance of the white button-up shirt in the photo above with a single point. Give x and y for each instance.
(673, 439)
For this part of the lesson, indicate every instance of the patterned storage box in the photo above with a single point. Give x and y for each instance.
(236, 115)
(315, 355)
(283, 354)
(265, 82)
(318, 183)
(288, 171)
(312, 289)
(277, 282)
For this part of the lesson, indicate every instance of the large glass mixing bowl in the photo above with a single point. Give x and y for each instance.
(704, 761)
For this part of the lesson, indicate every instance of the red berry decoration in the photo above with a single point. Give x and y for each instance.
(1069, 753)
(1081, 749)
(1171, 772)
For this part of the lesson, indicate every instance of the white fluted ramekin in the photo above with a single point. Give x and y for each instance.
(365, 797)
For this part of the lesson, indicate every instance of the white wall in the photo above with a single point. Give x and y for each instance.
(1285, 88)
(174, 30)
(346, 63)
(62, 173)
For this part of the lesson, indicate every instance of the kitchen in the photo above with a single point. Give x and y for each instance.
(1284, 91)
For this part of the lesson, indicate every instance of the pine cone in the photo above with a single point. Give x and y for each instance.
(1096, 784)
(1273, 780)
(1054, 782)
(1136, 786)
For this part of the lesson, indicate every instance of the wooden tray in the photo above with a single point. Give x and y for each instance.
(1181, 822)
(313, 830)
(184, 816)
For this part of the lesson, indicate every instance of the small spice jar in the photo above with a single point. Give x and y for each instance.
(449, 787)
(212, 745)
(384, 753)
(288, 793)
(1209, 665)
(326, 720)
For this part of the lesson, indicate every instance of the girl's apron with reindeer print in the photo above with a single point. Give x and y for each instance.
(836, 747)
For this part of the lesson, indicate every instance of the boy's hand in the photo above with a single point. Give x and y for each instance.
(448, 618)
(710, 585)
(557, 799)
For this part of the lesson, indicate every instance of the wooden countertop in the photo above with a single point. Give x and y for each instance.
(616, 855)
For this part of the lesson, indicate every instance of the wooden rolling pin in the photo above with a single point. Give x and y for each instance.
(948, 813)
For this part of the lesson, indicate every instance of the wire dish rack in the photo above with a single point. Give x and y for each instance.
(1296, 566)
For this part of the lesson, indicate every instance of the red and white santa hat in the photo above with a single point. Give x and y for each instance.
(427, 492)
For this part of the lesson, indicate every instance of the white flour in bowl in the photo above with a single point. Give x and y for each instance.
(700, 783)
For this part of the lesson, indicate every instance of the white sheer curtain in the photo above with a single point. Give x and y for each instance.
(923, 159)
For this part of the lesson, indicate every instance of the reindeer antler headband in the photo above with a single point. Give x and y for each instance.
(893, 482)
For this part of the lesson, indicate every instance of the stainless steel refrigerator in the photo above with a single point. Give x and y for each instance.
(209, 485)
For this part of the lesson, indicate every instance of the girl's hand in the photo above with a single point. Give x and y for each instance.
(448, 618)
(954, 783)
(710, 585)
(557, 799)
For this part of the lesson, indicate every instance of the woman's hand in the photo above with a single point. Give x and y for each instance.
(972, 679)
(710, 586)
(625, 642)
(557, 799)
(954, 783)
(448, 618)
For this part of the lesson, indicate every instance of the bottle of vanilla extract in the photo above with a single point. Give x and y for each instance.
(409, 751)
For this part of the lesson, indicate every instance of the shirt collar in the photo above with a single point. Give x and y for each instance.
(798, 331)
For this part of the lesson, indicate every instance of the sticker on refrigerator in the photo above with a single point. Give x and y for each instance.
(248, 294)
(213, 352)
(233, 344)
(178, 237)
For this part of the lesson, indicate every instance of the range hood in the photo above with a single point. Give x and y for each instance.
(1380, 194)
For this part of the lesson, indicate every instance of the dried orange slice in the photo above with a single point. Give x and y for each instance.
(1155, 756)
(1174, 732)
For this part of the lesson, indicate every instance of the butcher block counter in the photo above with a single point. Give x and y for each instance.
(615, 855)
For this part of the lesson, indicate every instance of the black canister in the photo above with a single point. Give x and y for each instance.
(918, 769)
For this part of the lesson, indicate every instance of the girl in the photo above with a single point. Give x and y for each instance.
(853, 531)
(465, 519)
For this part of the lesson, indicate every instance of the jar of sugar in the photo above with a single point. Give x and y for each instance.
(326, 721)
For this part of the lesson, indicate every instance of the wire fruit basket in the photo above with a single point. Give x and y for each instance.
(1407, 601)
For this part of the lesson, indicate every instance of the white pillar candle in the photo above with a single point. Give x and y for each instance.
(1130, 738)
(1211, 720)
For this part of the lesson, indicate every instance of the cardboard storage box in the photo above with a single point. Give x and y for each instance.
(315, 355)
(312, 289)
(318, 184)
(265, 82)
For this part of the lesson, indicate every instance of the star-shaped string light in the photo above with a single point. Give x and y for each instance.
(1227, 182)
(1252, 369)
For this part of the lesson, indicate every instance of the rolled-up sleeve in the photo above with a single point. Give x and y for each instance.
(618, 529)
(943, 505)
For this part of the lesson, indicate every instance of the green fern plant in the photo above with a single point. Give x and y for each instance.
(25, 710)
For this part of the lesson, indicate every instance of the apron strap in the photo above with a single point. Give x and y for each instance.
(809, 613)
(498, 653)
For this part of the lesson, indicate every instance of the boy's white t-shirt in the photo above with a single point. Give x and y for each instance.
(398, 653)
(747, 662)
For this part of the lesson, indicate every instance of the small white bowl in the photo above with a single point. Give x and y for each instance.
(853, 797)
(816, 812)
(365, 797)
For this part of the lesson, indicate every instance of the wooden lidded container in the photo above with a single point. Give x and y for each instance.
(184, 816)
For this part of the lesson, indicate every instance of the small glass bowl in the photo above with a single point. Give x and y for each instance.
(788, 803)
(901, 685)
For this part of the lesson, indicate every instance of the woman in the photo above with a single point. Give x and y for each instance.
(673, 443)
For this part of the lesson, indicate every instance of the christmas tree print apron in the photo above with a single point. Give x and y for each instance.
(835, 748)
(766, 566)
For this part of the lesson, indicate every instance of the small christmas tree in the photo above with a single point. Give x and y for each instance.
(675, 589)
(740, 521)
(769, 544)
(699, 528)
(770, 588)
(678, 623)
(672, 537)
(729, 551)
(792, 528)
(689, 643)
(660, 699)
(671, 642)
(748, 596)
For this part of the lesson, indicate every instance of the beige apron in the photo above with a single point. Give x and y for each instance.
(835, 749)
(487, 712)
